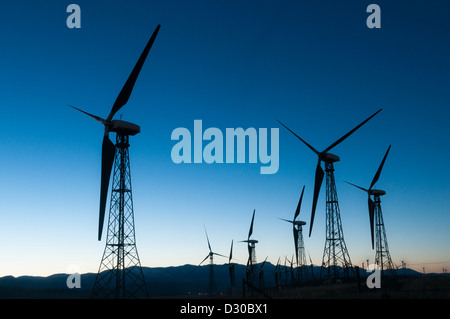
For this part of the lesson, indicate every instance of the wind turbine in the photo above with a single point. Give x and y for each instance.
(277, 273)
(297, 229)
(298, 234)
(231, 269)
(251, 244)
(335, 250)
(289, 270)
(211, 265)
(382, 256)
(120, 251)
(261, 274)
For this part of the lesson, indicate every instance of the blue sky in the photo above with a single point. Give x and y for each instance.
(315, 66)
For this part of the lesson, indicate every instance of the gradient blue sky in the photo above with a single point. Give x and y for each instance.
(312, 64)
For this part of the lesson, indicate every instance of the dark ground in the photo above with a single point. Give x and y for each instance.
(424, 287)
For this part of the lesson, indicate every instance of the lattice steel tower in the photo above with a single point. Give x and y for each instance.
(335, 258)
(382, 255)
(251, 273)
(120, 274)
(301, 258)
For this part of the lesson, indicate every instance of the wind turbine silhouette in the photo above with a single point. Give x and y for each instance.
(382, 256)
(120, 252)
(335, 250)
(211, 286)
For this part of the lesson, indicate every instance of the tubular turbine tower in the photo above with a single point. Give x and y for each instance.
(120, 274)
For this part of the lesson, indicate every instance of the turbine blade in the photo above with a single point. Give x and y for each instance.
(219, 255)
(312, 148)
(295, 243)
(203, 260)
(250, 232)
(377, 174)
(231, 252)
(209, 246)
(349, 133)
(287, 259)
(286, 220)
(317, 185)
(262, 264)
(98, 119)
(366, 190)
(297, 211)
(125, 93)
(372, 219)
(108, 153)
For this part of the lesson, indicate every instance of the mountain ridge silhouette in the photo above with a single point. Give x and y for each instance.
(172, 281)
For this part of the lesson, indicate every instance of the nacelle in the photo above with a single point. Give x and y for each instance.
(124, 128)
